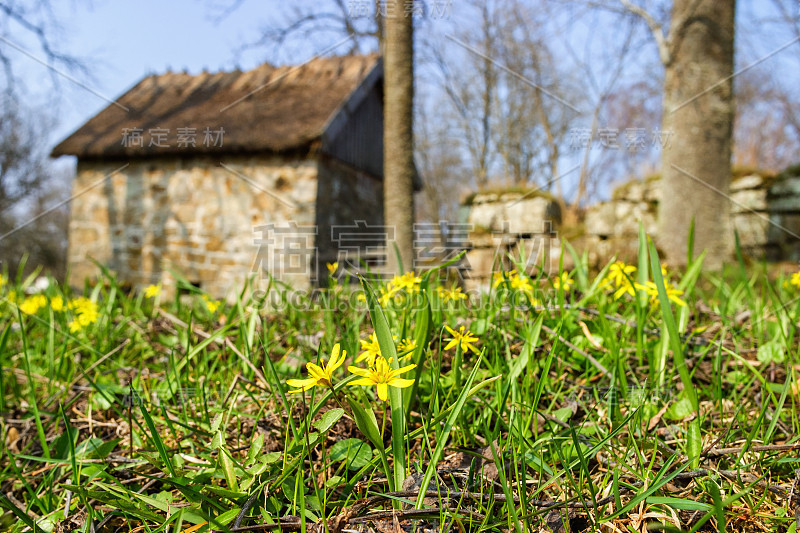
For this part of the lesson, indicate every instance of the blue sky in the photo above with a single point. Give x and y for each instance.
(122, 41)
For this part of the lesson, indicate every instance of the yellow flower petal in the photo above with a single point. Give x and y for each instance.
(301, 384)
(400, 383)
(383, 391)
(401, 370)
(317, 372)
(359, 371)
(337, 358)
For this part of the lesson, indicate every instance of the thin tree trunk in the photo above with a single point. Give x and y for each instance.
(398, 137)
(697, 126)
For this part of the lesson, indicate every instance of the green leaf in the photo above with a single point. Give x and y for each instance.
(215, 424)
(355, 452)
(225, 493)
(679, 503)
(694, 441)
(216, 441)
(719, 507)
(528, 350)
(680, 409)
(580, 268)
(328, 420)
(366, 423)
(422, 326)
(228, 516)
(563, 414)
(159, 444)
(694, 435)
(263, 463)
(226, 462)
(384, 335)
(255, 449)
(643, 266)
(771, 352)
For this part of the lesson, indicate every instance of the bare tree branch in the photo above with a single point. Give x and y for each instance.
(655, 28)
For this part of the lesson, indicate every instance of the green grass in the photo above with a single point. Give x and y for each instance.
(165, 414)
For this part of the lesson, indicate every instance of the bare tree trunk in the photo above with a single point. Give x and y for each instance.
(489, 82)
(398, 140)
(698, 126)
(380, 28)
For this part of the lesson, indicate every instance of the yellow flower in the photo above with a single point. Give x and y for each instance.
(152, 291)
(382, 376)
(211, 305)
(452, 294)
(371, 350)
(81, 304)
(651, 289)
(619, 273)
(32, 304)
(83, 319)
(407, 345)
(332, 267)
(57, 303)
(563, 281)
(519, 283)
(320, 376)
(2, 281)
(795, 279)
(462, 338)
(498, 278)
(85, 312)
(673, 294)
(408, 281)
(387, 294)
(625, 288)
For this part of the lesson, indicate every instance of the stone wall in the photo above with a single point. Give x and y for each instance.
(191, 215)
(765, 211)
(515, 222)
(612, 228)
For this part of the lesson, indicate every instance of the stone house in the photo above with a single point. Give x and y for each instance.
(214, 177)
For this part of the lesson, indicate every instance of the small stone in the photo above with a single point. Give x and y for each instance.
(747, 182)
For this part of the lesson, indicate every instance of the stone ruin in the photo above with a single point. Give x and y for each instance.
(517, 222)
(765, 211)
